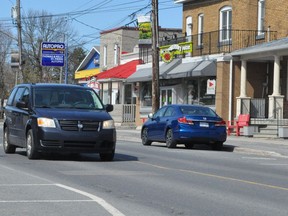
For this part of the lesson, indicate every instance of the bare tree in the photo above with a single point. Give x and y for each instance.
(5, 45)
(40, 27)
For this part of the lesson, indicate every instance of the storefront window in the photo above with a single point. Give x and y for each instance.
(146, 94)
(198, 91)
(192, 88)
(206, 97)
(166, 97)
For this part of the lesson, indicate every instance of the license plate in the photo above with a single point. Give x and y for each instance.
(204, 124)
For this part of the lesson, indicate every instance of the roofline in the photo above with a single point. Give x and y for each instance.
(93, 48)
(119, 28)
(137, 29)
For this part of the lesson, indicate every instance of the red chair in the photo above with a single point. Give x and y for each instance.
(243, 120)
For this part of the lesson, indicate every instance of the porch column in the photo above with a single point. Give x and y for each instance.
(276, 100)
(243, 102)
(243, 79)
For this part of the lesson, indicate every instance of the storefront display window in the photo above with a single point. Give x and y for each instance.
(198, 91)
(146, 94)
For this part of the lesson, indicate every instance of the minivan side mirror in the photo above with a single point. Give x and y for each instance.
(21, 104)
(109, 107)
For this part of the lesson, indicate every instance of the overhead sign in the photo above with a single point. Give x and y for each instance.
(144, 25)
(53, 54)
(168, 52)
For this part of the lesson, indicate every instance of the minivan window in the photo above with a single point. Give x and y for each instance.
(18, 95)
(11, 97)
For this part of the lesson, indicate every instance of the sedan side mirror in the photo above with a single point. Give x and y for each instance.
(150, 115)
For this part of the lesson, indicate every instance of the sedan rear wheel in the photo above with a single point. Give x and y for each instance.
(189, 145)
(170, 142)
(144, 137)
(217, 146)
(30, 146)
(8, 148)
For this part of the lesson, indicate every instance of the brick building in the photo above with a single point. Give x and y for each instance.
(250, 37)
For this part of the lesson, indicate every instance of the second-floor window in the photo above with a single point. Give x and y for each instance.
(225, 23)
(200, 29)
(189, 26)
(105, 56)
(261, 16)
(116, 54)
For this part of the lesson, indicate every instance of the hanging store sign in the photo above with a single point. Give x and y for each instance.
(53, 54)
(211, 87)
(168, 52)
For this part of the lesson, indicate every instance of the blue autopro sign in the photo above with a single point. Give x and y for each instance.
(53, 54)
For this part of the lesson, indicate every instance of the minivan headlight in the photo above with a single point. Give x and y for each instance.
(109, 124)
(46, 122)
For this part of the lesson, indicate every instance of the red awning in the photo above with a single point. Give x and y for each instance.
(121, 71)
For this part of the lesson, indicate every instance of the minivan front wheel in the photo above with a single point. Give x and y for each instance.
(8, 148)
(107, 156)
(30, 146)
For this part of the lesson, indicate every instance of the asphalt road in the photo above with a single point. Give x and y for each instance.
(149, 180)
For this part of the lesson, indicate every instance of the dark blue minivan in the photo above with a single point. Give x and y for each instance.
(58, 118)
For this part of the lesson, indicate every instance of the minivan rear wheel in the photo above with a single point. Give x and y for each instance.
(8, 148)
(30, 146)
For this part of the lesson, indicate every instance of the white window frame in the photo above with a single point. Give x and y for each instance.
(105, 56)
(225, 24)
(261, 17)
(200, 29)
(116, 54)
(189, 28)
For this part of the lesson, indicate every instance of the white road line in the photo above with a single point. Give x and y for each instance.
(113, 211)
(44, 201)
(266, 164)
(258, 158)
(22, 185)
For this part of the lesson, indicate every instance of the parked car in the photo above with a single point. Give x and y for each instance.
(58, 118)
(184, 124)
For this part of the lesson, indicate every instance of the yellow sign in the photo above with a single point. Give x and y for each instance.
(144, 24)
(168, 52)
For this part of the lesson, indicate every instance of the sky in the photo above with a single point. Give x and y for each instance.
(89, 17)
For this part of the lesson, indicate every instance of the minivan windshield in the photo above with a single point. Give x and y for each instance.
(59, 97)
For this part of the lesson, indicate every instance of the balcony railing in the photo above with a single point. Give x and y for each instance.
(215, 42)
(224, 41)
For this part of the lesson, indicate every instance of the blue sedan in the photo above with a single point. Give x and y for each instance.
(184, 124)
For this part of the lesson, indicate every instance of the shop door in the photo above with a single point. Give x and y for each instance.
(166, 97)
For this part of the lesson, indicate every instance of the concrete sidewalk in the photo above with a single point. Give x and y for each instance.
(135, 135)
(277, 147)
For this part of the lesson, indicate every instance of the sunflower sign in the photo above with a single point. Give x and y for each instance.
(168, 52)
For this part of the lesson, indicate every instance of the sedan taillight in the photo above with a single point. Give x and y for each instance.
(220, 123)
(183, 120)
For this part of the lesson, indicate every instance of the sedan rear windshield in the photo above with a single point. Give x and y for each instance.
(199, 111)
(79, 98)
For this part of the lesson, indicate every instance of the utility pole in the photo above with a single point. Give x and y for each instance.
(19, 30)
(155, 57)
